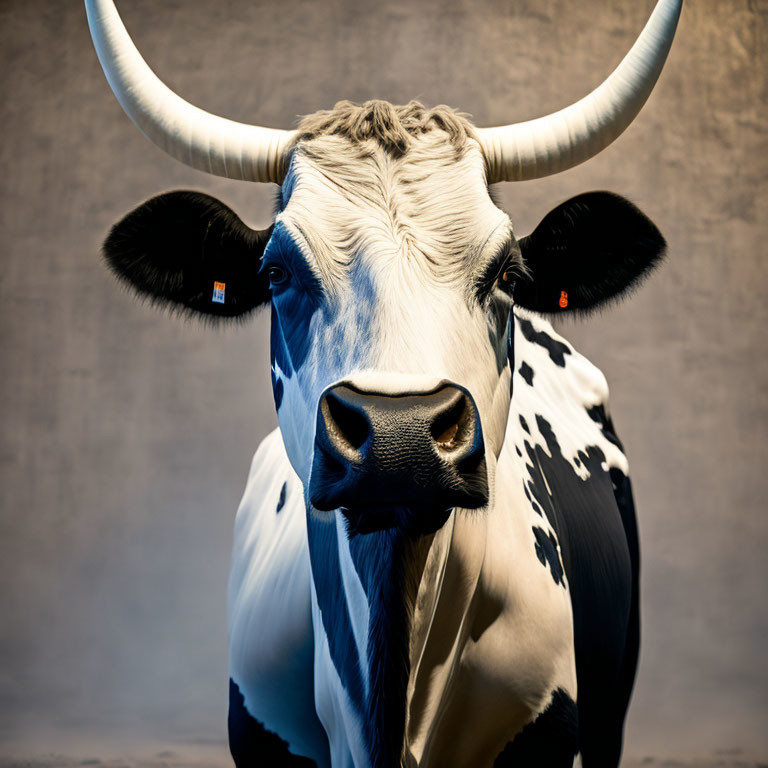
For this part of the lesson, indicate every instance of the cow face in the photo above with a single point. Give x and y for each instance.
(391, 277)
(391, 280)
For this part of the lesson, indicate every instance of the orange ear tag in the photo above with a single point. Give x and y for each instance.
(563, 299)
(218, 292)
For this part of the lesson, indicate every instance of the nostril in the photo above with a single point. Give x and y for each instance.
(449, 426)
(447, 440)
(345, 422)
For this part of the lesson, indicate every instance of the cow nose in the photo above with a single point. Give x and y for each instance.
(404, 459)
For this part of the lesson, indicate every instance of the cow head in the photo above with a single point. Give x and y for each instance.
(390, 272)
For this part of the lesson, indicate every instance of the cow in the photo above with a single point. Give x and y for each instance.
(435, 560)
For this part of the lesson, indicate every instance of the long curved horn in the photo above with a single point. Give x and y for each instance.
(566, 138)
(191, 135)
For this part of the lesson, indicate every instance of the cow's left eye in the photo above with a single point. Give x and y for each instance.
(277, 275)
(507, 278)
(500, 274)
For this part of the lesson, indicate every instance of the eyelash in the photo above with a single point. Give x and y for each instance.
(507, 276)
(503, 278)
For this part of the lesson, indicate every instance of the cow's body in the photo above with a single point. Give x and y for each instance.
(435, 560)
(506, 592)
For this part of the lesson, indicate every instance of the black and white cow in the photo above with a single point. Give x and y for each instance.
(435, 560)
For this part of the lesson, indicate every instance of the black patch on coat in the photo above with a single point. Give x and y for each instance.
(380, 560)
(546, 551)
(277, 390)
(597, 414)
(594, 247)
(294, 302)
(524, 425)
(173, 248)
(622, 489)
(527, 373)
(332, 601)
(511, 349)
(557, 349)
(550, 741)
(251, 744)
(281, 500)
(596, 528)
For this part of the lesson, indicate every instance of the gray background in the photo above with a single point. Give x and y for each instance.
(126, 435)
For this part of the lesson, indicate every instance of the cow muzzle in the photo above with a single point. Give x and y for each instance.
(402, 460)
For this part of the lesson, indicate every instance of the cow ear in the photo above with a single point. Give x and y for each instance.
(189, 251)
(589, 250)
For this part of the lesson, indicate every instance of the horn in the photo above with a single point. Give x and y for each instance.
(560, 141)
(192, 135)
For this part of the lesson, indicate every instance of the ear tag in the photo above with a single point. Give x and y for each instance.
(563, 299)
(218, 293)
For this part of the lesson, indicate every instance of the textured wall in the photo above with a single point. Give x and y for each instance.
(126, 435)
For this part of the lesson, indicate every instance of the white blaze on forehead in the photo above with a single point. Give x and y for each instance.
(430, 206)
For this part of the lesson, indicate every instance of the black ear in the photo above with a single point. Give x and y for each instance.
(190, 251)
(587, 251)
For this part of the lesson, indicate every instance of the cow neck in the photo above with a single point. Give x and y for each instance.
(442, 623)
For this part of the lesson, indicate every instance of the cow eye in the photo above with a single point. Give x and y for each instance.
(500, 274)
(277, 275)
(507, 277)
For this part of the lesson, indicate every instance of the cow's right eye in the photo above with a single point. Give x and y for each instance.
(277, 275)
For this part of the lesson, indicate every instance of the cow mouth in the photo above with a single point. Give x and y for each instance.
(417, 521)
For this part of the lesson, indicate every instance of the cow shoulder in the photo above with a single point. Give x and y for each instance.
(562, 431)
(576, 481)
(270, 621)
(555, 385)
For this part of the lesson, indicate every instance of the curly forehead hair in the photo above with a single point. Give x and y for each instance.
(392, 126)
